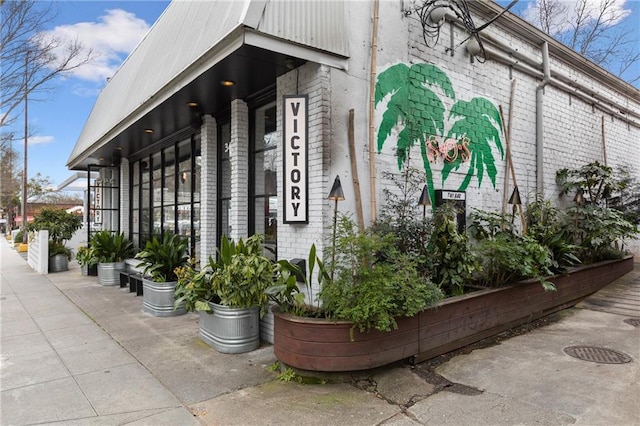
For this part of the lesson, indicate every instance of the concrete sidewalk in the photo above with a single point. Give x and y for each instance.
(75, 352)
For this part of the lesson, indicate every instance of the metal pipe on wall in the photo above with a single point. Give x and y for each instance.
(540, 120)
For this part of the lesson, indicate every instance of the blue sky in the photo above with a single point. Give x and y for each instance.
(112, 29)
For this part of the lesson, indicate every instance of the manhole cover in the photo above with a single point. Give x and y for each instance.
(633, 321)
(595, 354)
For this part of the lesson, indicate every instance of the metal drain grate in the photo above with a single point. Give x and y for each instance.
(633, 321)
(599, 355)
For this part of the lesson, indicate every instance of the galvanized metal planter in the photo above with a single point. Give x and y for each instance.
(158, 298)
(86, 270)
(58, 263)
(231, 330)
(109, 273)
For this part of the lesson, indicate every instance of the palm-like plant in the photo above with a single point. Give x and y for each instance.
(108, 247)
(160, 258)
(417, 111)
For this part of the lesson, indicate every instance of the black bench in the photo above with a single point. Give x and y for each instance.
(135, 284)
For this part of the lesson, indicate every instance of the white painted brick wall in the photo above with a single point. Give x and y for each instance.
(239, 159)
(208, 189)
(125, 198)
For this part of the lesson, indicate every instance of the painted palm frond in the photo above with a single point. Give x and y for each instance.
(413, 106)
(478, 120)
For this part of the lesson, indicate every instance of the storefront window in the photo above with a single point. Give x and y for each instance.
(166, 193)
(265, 160)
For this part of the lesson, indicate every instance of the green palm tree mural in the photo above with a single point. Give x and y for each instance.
(418, 112)
(475, 120)
(414, 107)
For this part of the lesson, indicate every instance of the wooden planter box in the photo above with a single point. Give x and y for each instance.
(321, 345)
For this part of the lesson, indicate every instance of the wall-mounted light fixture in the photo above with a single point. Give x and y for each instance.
(148, 131)
(227, 83)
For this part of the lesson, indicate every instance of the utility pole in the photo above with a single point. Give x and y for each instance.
(25, 237)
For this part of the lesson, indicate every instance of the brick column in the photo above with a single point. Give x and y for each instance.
(208, 189)
(125, 199)
(239, 160)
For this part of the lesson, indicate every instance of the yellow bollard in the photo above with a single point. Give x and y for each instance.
(23, 248)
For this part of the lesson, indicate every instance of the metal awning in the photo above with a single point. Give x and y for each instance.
(187, 53)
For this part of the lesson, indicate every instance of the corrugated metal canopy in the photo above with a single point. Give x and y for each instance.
(194, 44)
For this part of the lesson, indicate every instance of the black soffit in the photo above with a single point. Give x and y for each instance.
(251, 68)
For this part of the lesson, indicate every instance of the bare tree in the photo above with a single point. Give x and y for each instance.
(593, 29)
(31, 58)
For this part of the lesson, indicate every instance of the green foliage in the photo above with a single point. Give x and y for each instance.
(86, 256)
(627, 200)
(18, 238)
(370, 291)
(242, 273)
(285, 291)
(194, 288)
(109, 248)
(599, 230)
(60, 224)
(403, 218)
(547, 224)
(452, 260)
(59, 248)
(505, 256)
(595, 181)
(160, 258)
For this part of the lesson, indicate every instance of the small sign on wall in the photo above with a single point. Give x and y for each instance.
(97, 218)
(295, 125)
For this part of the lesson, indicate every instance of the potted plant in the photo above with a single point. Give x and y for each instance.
(110, 250)
(61, 226)
(87, 261)
(230, 294)
(159, 260)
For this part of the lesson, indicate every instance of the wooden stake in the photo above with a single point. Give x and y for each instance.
(604, 145)
(354, 172)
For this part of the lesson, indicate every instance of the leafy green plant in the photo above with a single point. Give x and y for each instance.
(503, 255)
(18, 238)
(159, 258)
(595, 181)
(547, 224)
(369, 290)
(109, 248)
(193, 288)
(452, 260)
(285, 291)
(599, 231)
(242, 273)
(86, 256)
(56, 248)
(402, 217)
(60, 224)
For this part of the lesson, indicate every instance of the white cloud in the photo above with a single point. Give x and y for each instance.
(111, 39)
(616, 12)
(38, 140)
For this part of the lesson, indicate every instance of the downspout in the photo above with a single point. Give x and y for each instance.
(540, 120)
(372, 106)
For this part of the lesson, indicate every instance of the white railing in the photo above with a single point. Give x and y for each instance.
(38, 254)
